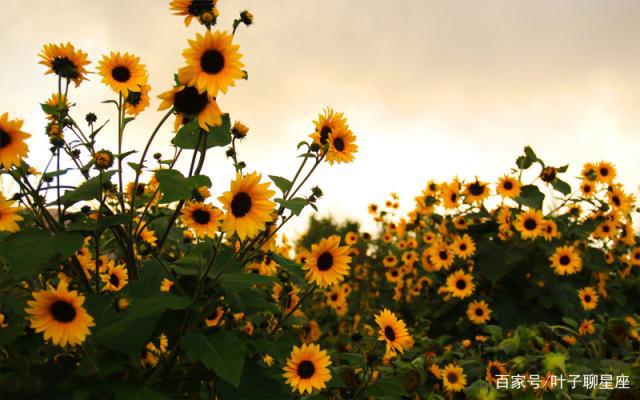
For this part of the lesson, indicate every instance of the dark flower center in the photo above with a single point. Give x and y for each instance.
(114, 280)
(452, 378)
(443, 255)
(508, 185)
(202, 217)
(565, 260)
(461, 284)
(306, 369)
(325, 261)
(389, 333)
(5, 139)
(454, 197)
(587, 298)
(134, 98)
(479, 312)
(605, 228)
(199, 7)
(189, 102)
(121, 74)
(338, 144)
(62, 311)
(604, 171)
(616, 200)
(463, 247)
(324, 134)
(433, 187)
(212, 61)
(495, 371)
(241, 204)
(476, 188)
(530, 224)
(334, 297)
(64, 67)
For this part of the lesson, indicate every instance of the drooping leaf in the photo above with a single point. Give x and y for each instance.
(531, 196)
(222, 352)
(89, 190)
(282, 183)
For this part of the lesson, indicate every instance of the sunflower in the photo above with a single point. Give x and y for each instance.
(618, 199)
(166, 285)
(202, 218)
(64, 61)
(307, 368)
(529, 224)
(463, 246)
(12, 145)
(495, 370)
(266, 267)
(114, 278)
(460, 222)
(476, 191)
(289, 301)
(328, 263)
(310, 332)
(390, 261)
(450, 193)
(586, 327)
(57, 101)
(151, 354)
(213, 63)
(508, 187)
(634, 256)
(605, 172)
(9, 215)
(215, 318)
(137, 101)
(453, 378)
(393, 332)
(441, 255)
(588, 298)
(248, 206)
(200, 9)
(478, 312)
(587, 188)
(565, 261)
(123, 72)
(189, 104)
(549, 230)
(59, 314)
(327, 123)
(341, 146)
(335, 296)
(460, 284)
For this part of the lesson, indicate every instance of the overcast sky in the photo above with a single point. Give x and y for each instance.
(432, 89)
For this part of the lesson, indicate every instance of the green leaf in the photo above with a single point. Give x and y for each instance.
(89, 190)
(174, 186)
(561, 186)
(53, 110)
(531, 155)
(531, 196)
(221, 352)
(53, 174)
(27, 251)
(295, 205)
(282, 183)
(237, 281)
(257, 383)
(187, 136)
(387, 386)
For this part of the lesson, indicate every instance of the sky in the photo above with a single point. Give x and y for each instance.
(431, 89)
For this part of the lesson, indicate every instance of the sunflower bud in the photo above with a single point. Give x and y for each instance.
(231, 152)
(246, 17)
(548, 174)
(103, 159)
(157, 156)
(239, 130)
(123, 304)
(317, 192)
(91, 118)
(242, 165)
(284, 276)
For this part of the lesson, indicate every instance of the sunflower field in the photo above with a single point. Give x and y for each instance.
(141, 280)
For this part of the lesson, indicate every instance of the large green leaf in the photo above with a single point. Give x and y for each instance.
(89, 190)
(257, 383)
(221, 352)
(387, 386)
(28, 251)
(531, 196)
(174, 186)
(187, 136)
(237, 281)
(282, 183)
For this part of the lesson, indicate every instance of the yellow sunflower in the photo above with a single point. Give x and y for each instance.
(495, 369)
(605, 172)
(327, 123)
(202, 218)
(565, 260)
(508, 187)
(189, 104)
(586, 327)
(136, 102)
(114, 278)
(587, 188)
(335, 296)
(453, 378)
(529, 224)
(123, 72)
(549, 230)
(9, 215)
(393, 332)
(341, 146)
(460, 284)
(12, 142)
(248, 206)
(478, 312)
(213, 63)
(588, 298)
(200, 9)
(58, 313)
(215, 318)
(328, 263)
(151, 354)
(450, 193)
(476, 191)
(441, 255)
(64, 61)
(286, 297)
(166, 285)
(463, 246)
(307, 368)
(58, 101)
